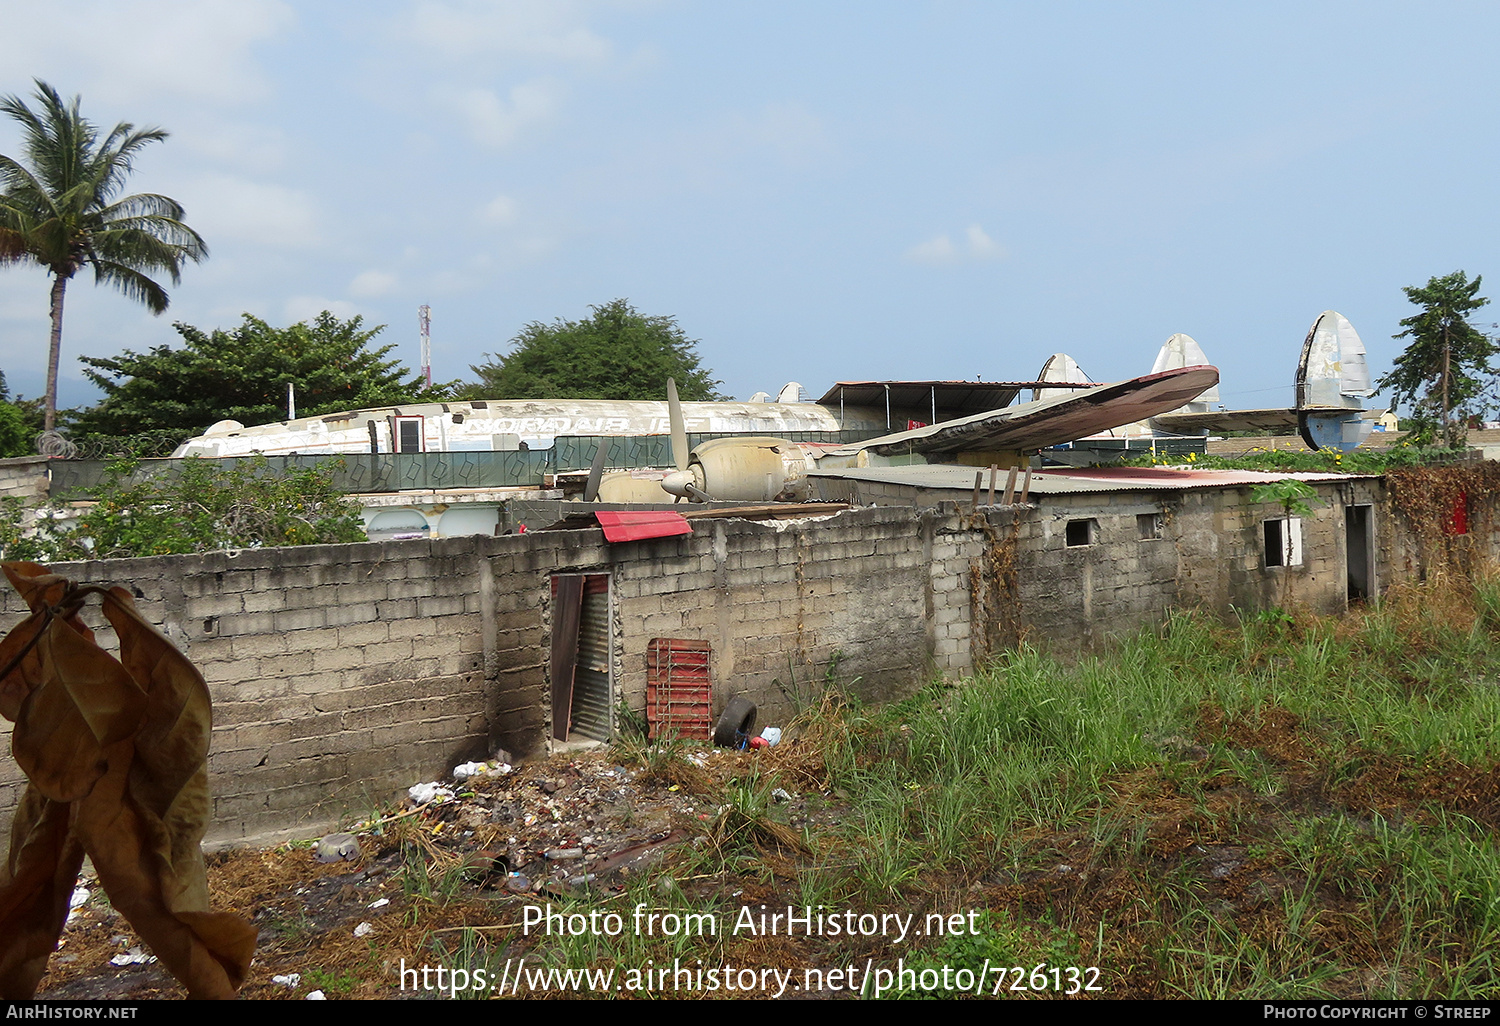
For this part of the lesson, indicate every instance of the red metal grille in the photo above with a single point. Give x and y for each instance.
(678, 691)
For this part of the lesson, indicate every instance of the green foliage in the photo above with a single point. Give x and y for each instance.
(243, 374)
(197, 507)
(1374, 461)
(1294, 497)
(15, 432)
(62, 210)
(1445, 371)
(615, 354)
(17, 540)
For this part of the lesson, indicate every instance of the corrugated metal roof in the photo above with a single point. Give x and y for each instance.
(950, 397)
(949, 477)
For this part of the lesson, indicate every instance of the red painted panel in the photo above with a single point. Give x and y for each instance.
(638, 525)
(678, 689)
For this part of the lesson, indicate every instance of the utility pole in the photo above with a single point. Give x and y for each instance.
(424, 321)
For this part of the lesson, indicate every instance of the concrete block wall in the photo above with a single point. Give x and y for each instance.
(339, 674)
(24, 477)
(342, 674)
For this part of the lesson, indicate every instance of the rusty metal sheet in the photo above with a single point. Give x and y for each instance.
(678, 688)
(567, 609)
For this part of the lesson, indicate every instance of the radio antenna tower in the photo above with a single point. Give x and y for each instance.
(424, 320)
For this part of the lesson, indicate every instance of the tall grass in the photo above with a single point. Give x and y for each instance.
(1347, 715)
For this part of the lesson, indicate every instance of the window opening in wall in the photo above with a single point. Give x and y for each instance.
(1359, 547)
(408, 434)
(1080, 532)
(1150, 526)
(1283, 541)
(581, 651)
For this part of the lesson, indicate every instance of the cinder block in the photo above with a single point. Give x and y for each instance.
(298, 619)
(354, 635)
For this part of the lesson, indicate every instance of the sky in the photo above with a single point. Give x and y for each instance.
(816, 191)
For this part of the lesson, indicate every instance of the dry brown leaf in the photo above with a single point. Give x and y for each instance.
(116, 751)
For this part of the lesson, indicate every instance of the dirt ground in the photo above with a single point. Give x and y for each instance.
(542, 832)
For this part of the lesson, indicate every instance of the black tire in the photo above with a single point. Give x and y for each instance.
(735, 723)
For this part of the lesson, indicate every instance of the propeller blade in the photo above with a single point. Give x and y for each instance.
(679, 429)
(596, 472)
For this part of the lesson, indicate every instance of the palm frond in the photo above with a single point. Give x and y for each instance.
(133, 284)
(144, 250)
(142, 204)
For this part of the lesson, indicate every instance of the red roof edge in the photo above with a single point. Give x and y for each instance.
(624, 526)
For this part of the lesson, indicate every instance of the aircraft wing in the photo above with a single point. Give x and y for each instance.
(1064, 418)
(1226, 420)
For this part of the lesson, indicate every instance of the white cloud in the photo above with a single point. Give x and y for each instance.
(305, 308)
(500, 211)
(223, 207)
(496, 122)
(372, 284)
(196, 48)
(936, 250)
(549, 29)
(981, 246)
(940, 249)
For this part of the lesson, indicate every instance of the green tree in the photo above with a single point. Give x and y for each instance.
(62, 212)
(243, 375)
(15, 431)
(615, 354)
(191, 505)
(1446, 368)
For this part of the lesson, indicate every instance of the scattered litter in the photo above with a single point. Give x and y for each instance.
(772, 735)
(781, 795)
(558, 854)
(337, 848)
(316, 995)
(135, 956)
(381, 903)
(424, 793)
(79, 898)
(363, 930)
(290, 980)
(470, 770)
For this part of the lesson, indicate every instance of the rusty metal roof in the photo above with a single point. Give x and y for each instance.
(1061, 481)
(951, 397)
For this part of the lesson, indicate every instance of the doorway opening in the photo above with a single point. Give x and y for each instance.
(1359, 546)
(581, 658)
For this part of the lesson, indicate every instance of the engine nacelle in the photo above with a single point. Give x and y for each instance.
(744, 470)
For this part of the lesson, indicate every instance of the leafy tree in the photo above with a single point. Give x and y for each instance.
(62, 212)
(1446, 367)
(242, 375)
(191, 505)
(1294, 497)
(615, 354)
(15, 431)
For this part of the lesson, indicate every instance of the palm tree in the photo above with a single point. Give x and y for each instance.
(61, 211)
